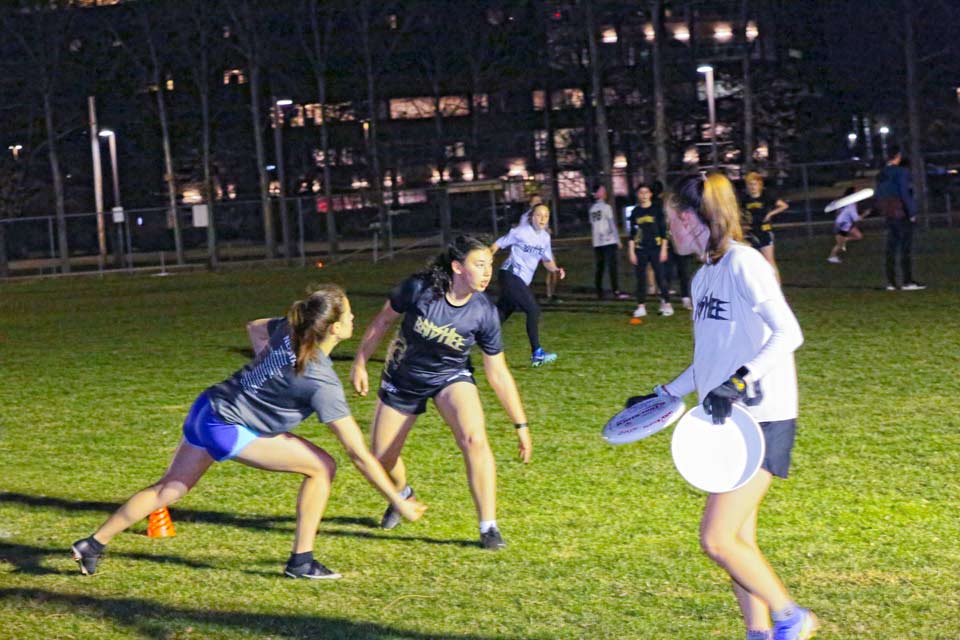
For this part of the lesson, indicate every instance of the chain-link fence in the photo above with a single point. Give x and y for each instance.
(146, 238)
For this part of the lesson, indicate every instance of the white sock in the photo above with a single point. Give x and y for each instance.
(486, 525)
(406, 492)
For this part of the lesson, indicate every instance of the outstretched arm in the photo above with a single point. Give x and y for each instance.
(350, 436)
(505, 387)
(779, 207)
(371, 338)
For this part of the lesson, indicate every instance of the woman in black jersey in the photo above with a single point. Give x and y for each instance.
(443, 313)
(248, 418)
(761, 208)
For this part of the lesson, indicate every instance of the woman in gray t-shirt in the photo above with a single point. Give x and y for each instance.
(248, 418)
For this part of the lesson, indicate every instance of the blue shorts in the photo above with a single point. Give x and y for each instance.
(205, 429)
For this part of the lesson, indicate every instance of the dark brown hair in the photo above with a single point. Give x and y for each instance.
(311, 317)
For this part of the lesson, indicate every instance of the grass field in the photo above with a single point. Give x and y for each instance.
(97, 375)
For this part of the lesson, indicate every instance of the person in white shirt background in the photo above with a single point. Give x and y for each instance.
(529, 244)
(744, 338)
(845, 227)
(606, 243)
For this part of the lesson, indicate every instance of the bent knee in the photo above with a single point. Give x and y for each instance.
(717, 546)
(169, 490)
(474, 443)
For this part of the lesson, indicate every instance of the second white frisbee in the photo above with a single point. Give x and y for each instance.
(856, 196)
(643, 419)
(717, 458)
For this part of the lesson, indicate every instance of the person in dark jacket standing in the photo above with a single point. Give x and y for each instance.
(895, 201)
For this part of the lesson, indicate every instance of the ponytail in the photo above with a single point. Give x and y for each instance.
(712, 198)
(310, 318)
(439, 272)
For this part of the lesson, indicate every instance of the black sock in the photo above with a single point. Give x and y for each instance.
(98, 547)
(297, 559)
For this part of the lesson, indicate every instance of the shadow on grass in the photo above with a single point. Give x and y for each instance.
(152, 620)
(28, 559)
(262, 523)
(180, 515)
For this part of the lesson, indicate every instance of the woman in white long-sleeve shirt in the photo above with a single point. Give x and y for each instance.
(744, 338)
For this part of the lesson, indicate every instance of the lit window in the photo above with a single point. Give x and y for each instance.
(762, 152)
(411, 108)
(681, 33)
(691, 156)
(568, 99)
(231, 191)
(609, 35)
(620, 161)
(346, 156)
(752, 31)
(518, 168)
(234, 76)
(456, 150)
(466, 172)
(722, 32)
(341, 111)
(169, 83)
(314, 113)
(454, 106)
(392, 19)
(572, 184)
(539, 100)
(481, 102)
(412, 196)
(648, 33)
(275, 187)
(296, 116)
(540, 150)
(191, 195)
(318, 158)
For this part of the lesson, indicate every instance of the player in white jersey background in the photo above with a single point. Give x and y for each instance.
(744, 338)
(529, 245)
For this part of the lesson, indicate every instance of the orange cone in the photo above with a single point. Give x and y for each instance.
(160, 525)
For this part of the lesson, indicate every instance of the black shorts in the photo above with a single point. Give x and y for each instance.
(779, 436)
(760, 238)
(413, 401)
(841, 232)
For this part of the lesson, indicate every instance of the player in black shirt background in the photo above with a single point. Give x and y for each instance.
(761, 208)
(443, 313)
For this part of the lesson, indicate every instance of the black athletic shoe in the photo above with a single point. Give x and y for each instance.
(492, 539)
(391, 517)
(312, 570)
(85, 556)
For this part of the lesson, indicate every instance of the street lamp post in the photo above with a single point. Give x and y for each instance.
(884, 130)
(118, 217)
(278, 106)
(707, 70)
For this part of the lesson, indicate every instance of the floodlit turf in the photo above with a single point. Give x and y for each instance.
(97, 375)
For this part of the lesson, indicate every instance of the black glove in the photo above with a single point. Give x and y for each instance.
(719, 402)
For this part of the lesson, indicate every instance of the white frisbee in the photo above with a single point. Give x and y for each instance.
(856, 196)
(643, 419)
(718, 458)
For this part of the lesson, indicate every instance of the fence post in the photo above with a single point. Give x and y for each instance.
(303, 253)
(806, 200)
